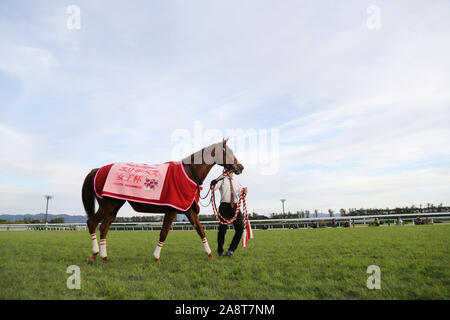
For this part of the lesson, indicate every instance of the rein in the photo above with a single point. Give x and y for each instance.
(207, 194)
(223, 220)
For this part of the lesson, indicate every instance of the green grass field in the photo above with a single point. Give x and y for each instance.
(284, 264)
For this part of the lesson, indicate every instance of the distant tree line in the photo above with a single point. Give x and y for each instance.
(33, 221)
(58, 220)
(429, 208)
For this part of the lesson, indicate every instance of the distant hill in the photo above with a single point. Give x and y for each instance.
(41, 216)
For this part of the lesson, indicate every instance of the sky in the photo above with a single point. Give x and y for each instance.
(354, 93)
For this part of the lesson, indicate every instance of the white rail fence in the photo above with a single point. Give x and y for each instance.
(256, 224)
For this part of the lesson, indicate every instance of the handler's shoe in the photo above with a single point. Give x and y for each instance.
(230, 253)
(220, 253)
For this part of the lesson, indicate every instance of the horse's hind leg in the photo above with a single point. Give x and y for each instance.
(195, 221)
(168, 220)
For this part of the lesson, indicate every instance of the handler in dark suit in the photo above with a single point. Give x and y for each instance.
(230, 190)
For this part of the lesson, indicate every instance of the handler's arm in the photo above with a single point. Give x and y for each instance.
(240, 188)
(218, 185)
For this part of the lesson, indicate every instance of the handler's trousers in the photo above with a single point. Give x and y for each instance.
(227, 212)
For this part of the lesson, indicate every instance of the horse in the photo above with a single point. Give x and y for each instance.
(197, 166)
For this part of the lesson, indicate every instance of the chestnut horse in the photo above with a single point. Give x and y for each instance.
(196, 166)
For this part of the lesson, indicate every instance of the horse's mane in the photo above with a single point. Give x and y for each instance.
(199, 154)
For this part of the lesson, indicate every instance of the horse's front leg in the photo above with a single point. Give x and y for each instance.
(195, 221)
(168, 220)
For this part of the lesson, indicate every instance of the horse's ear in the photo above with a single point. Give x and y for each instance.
(225, 141)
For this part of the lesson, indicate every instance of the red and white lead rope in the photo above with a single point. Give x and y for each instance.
(248, 233)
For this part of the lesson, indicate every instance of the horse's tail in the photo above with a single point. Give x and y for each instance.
(88, 194)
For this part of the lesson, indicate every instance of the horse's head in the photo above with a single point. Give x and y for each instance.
(227, 159)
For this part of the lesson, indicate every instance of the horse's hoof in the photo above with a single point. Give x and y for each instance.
(105, 259)
(210, 257)
(92, 257)
(158, 261)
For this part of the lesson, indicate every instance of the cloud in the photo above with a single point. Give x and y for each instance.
(27, 170)
(23, 60)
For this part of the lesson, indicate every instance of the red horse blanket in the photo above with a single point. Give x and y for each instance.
(164, 184)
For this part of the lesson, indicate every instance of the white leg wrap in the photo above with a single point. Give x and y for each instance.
(94, 243)
(206, 246)
(103, 248)
(158, 248)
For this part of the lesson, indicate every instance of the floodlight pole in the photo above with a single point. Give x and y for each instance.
(282, 201)
(46, 208)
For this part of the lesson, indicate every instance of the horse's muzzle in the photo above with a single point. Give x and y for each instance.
(238, 169)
